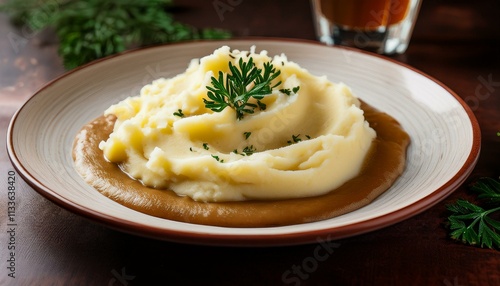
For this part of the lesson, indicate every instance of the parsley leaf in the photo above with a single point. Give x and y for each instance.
(473, 224)
(288, 91)
(296, 139)
(249, 150)
(247, 134)
(488, 189)
(179, 113)
(217, 158)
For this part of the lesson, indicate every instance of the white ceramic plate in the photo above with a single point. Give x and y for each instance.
(444, 149)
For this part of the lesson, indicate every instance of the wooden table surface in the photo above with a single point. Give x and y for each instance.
(455, 41)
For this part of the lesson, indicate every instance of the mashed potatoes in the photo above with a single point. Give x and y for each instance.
(310, 139)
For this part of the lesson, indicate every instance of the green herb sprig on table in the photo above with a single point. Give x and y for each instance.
(473, 224)
(243, 83)
(92, 29)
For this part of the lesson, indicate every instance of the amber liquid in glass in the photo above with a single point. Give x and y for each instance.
(365, 14)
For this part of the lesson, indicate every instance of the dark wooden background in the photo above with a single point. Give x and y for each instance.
(455, 41)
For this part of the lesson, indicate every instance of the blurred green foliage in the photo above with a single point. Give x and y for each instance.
(92, 29)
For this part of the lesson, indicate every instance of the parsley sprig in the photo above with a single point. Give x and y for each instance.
(242, 83)
(473, 224)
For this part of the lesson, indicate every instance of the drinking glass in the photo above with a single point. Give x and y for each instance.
(382, 26)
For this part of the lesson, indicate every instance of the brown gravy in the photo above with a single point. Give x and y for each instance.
(382, 167)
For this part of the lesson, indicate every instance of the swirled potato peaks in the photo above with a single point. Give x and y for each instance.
(240, 125)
